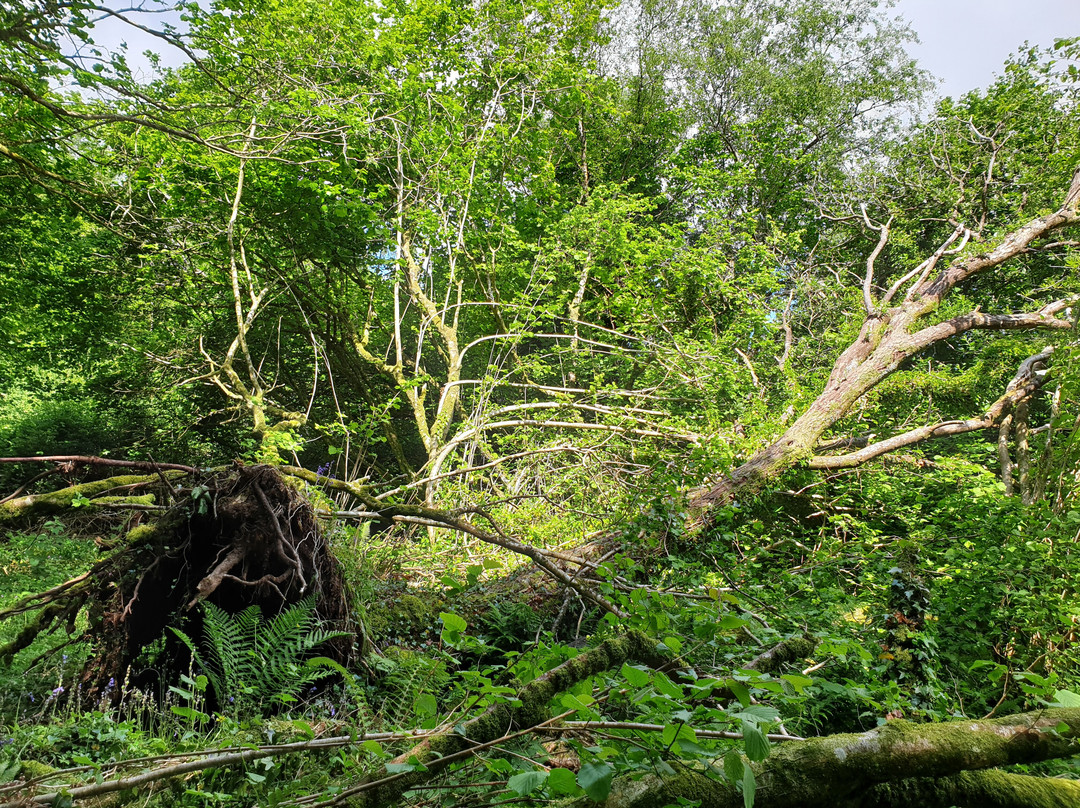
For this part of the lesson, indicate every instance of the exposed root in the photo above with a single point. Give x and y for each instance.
(235, 538)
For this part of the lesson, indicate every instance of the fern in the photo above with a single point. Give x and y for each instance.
(405, 677)
(250, 661)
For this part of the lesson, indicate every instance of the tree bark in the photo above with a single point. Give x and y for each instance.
(980, 789)
(55, 502)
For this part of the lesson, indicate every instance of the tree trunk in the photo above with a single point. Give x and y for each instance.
(889, 765)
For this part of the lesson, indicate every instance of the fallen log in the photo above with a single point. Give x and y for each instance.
(899, 763)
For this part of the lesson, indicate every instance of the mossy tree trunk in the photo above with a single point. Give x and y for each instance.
(899, 763)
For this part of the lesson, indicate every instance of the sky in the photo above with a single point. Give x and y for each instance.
(965, 42)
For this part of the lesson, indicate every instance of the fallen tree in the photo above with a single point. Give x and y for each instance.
(894, 329)
(898, 763)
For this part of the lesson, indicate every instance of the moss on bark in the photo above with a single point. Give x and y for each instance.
(845, 769)
(35, 506)
(528, 709)
(979, 789)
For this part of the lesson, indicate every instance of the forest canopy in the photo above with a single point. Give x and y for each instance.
(650, 403)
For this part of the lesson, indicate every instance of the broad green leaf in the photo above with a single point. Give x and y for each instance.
(760, 713)
(667, 687)
(749, 787)
(572, 701)
(426, 705)
(1065, 698)
(800, 683)
(757, 745)
(741, 691)
(526, 782)
(733, 766)
(595, 779)
(187, 712)
(635, 676)
(562, 781)
(413, 764)
(452, 622)
(676, 733)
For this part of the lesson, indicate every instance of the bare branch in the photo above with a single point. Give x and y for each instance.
(750, 367)
(927, 266)
(1043, 318)
(1029, 378)
(868, 280)
(1011, 246)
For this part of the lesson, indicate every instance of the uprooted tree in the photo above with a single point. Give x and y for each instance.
(235, 537)
(897, 328)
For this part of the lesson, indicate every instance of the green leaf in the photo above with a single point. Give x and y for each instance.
(452, 622)
(526, 782)
(595, 779)
(426, 705)
(757, 745)
(572, 701)
(749, 787)
(562, 781)
(674, 643)
(9, 770)
(759, 713)
(188, 713)
(741, 691)
(733, 766)
(667, 687)
(635, 676)
(413, 764)
(675, 733)
(1065, 698)
(800, 683)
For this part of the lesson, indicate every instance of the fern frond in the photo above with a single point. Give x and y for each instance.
(250, 660)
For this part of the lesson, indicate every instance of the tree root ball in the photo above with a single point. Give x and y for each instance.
(236, 538)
